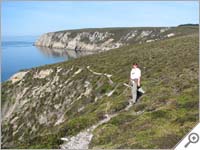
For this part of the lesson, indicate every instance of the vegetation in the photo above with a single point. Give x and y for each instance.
(163, 115)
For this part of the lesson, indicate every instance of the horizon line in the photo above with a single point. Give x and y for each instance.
(105, 27)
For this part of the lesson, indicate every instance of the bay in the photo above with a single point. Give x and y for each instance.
(19, 53)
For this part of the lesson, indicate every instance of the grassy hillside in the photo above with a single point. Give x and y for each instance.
(119, 32)
(103, 39)
(164, 114)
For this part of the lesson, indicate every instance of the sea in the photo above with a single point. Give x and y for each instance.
(18, 53)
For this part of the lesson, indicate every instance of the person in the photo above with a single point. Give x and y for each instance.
(135, 80)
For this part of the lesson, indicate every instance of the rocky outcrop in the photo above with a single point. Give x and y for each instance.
(18, 76)
(83, 40)
(101, 39)
(42, 103)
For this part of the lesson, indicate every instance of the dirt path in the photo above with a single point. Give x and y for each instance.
(83, 139)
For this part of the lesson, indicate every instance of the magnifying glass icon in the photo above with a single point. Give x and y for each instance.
(193, 138)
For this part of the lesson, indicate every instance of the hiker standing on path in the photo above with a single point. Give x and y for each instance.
(135, 79)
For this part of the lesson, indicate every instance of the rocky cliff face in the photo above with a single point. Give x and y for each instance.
(84, 103)
(104, 39)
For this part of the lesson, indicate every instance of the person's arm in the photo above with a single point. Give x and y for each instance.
(130, 77)
(139, 81)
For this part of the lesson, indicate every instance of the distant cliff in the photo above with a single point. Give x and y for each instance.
(105, 38)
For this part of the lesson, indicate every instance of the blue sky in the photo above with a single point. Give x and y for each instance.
(35, 18)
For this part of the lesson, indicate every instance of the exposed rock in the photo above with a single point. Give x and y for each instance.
(164, 29)
(148, 41)
(97, 40)
(18, 76)
(84, 40)
(80, 109)
(170, 35)
(88, 88)
(110, 93)
(42, 119)
(145, 33)
(43, 73)
(77, 72)
(81, 141)
(60, 120)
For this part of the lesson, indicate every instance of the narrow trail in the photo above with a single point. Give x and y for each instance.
(83, 139)
(101, 74)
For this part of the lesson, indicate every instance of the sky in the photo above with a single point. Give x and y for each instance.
(35, 18)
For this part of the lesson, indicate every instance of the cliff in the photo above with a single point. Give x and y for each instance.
(106, 38)
(84, 103)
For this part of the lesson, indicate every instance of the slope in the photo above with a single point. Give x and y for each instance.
(61, 100)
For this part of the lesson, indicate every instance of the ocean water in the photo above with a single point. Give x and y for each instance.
(18, 53)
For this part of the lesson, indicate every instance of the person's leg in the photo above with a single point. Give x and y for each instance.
(134, 92)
